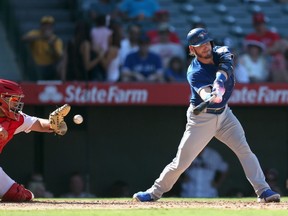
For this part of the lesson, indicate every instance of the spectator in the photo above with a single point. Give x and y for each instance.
(166, 49)
(138, 10)
(77, 187)
(111, 61)
(285, 67)
(206, 173)
(37, 186)
(119, 189)
(163, 17)
(175, 71)
(143, 65)
(271, 176)
(130, 43)
(101, 35)
(241, 74)
(235, 192)
(274, 44)
(81, 62)
(254, 62)
(107, 8)
(46, 48)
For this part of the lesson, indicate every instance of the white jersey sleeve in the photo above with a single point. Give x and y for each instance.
(27, 124)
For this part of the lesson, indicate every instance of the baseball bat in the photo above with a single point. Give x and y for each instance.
(198, 109)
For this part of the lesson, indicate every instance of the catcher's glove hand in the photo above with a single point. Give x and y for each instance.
(56, 119)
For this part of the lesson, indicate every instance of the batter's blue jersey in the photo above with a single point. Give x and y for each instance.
(201, 75)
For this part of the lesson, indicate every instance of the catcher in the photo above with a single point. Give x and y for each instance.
(13, 121)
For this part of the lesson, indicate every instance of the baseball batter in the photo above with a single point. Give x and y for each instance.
(210, 73)
(13, 121)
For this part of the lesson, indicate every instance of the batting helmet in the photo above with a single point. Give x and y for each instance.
(197, 37)
(10, 98)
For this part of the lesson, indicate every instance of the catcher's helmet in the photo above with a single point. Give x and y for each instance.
(197, 37)
(10, 98)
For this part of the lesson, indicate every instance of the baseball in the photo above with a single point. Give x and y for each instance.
(78, 119)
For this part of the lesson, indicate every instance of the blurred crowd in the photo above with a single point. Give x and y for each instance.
(77, 186)
(204, 178)
(134, 41)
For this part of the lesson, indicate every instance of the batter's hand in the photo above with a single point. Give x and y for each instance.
(218, 90)
(3, 134)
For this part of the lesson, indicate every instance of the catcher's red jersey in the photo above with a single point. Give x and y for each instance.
(14, 127)
(10, 126)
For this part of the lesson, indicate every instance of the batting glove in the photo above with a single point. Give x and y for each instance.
(218, 91)
(218, 87)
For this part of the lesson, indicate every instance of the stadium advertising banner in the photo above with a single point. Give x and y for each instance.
(174, 94)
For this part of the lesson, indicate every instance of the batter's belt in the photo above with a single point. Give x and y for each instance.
(214, 110)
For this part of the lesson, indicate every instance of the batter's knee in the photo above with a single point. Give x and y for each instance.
(180, 165)
(243, 150)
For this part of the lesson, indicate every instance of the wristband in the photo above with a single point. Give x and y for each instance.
(220, 77)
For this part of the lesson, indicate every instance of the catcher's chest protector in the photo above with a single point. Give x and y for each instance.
(10, 126)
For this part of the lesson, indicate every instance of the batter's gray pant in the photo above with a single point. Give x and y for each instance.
(199, 131)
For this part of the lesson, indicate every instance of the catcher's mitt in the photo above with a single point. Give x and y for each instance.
(56, 119)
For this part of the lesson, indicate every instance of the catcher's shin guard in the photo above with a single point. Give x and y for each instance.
(17, 193)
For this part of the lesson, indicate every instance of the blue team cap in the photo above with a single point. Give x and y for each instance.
(198, 36)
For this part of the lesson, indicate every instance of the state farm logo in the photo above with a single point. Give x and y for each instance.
(93, 94)
(113, 94)
(263, 95)
(51, 94)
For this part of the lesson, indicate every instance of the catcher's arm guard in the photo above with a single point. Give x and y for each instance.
(56, 119)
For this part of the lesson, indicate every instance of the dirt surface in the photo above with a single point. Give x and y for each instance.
(121, 204)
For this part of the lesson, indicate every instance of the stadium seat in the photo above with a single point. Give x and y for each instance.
(254, 8)
(229, 19)
(237, 31)
(187, 8)
(194, 19)
(221, 9)
(235, 16)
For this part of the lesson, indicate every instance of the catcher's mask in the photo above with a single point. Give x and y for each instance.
(198, 36)
(10, 99)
